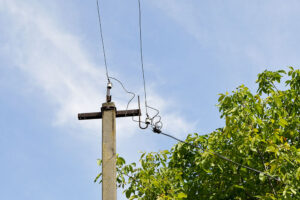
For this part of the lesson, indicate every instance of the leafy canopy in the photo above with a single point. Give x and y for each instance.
(261, 131)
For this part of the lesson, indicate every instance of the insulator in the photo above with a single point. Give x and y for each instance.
(147, 121)
(159, 125)
(109, 85)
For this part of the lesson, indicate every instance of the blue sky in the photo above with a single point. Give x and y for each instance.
(51, 68)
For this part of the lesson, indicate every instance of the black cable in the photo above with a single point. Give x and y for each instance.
(103, 47)
(141, 53)
(218, 155)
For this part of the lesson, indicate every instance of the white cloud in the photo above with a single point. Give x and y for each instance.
(55, 61)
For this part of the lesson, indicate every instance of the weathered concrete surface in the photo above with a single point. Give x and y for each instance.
(109, 186)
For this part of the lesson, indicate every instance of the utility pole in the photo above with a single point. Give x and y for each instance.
(108, 114)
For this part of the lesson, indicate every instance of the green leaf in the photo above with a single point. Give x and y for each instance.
(99, 162)
(120, 161)
(262, 177)
(98, 176)
(181, 195)
(298, 173)
(293, 191)
(282, 122)
(239, 186)
(271, 149)
(128, 193)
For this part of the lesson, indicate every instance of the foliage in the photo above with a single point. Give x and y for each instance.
(261, 131)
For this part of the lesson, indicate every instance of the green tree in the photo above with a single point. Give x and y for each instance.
(261, 132)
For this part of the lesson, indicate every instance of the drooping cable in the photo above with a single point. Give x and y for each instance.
(122, 85)
(218, 155)
(102, 41)
(141, 55)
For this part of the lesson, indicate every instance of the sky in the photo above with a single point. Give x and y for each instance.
(52, 68)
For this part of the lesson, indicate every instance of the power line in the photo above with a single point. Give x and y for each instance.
(158, 123)
(155, 123)
(217, 154)
(156, 129)
(105, 60)
(103, 47)
(141, 54)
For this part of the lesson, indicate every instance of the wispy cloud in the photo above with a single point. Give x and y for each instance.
(54, 60)
(260, 33)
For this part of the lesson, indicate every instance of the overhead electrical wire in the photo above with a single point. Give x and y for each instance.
(157, 128)
(158, 124)
(154, 123)
(105, 60)
(152, 119)
(217, 154)
(141, 54)
(102, 40)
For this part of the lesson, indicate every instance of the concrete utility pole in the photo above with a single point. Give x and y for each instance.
(108, 114)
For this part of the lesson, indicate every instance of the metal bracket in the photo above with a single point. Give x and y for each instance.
(140, 124)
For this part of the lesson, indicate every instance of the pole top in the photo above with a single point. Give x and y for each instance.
(108, 106)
